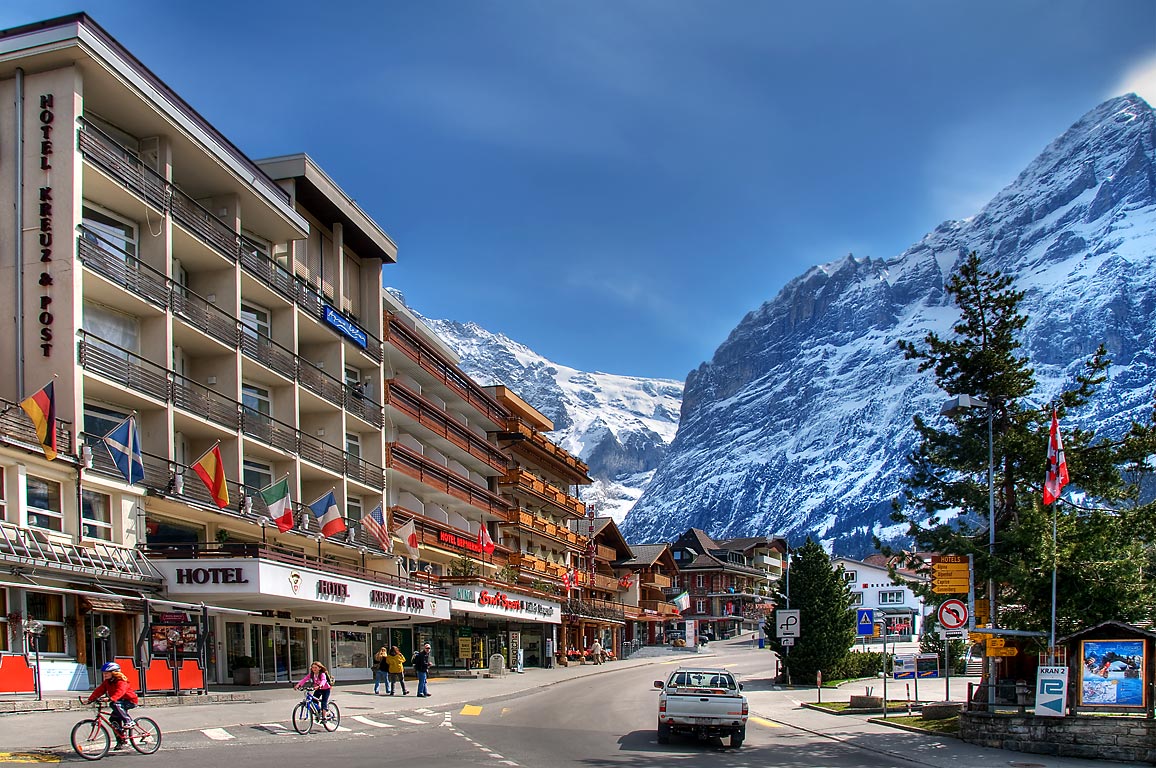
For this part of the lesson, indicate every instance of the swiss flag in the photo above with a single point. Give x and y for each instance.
(1057, 475)
(484, 540)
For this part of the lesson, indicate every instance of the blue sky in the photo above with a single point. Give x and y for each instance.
(615, 183)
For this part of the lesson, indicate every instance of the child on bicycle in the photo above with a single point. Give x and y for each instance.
(122, 697)
(318, 678)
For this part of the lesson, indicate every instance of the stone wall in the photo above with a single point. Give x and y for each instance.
(1110, 738)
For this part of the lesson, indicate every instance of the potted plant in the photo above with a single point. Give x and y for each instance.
(246, 671)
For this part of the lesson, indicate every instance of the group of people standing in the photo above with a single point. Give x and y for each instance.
(391, 670)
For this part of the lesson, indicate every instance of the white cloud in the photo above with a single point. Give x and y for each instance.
(1140, 79)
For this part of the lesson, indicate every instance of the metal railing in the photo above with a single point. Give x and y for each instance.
(437, 421)
(264, 350)
(268, 430)
(15, 426)
(199, 313)
(29, 546)
(117, 364)
(126, 270)
(207, 403)
(413, 464)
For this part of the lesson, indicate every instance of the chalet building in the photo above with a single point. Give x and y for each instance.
(596, 609)
(895, 604)
(648, 577)
(729, 584)
(229, 314)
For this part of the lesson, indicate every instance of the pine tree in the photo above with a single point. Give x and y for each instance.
(827, 622)
(1106, 547)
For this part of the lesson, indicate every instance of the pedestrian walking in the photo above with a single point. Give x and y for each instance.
(381, 673)
(395, 659)
(596, 651)
(421, 666)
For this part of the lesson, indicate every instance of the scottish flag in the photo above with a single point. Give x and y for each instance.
(123, 444)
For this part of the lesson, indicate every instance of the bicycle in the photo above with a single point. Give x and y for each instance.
(308, 711)
(92, 738)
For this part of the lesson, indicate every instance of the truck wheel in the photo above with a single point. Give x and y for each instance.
(737, 738)
(663, 733)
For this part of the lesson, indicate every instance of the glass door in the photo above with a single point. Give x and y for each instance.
(298, 652)
(274, 653)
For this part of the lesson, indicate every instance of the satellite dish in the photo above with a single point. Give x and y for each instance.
(101, 632)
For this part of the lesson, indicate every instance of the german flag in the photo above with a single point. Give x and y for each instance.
(41, 408)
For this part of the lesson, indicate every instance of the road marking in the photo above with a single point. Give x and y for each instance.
(367, 721)
(272, 726)
(342, 728)
(27, 757)
(471, 709)
(766, 723)
(665, 663)
(218, 734)
(413, 720)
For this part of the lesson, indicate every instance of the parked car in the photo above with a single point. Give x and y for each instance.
(702, 701)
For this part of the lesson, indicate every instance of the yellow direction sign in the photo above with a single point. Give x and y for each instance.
(996, 642)
(949, 569)
(936, 559)
(950, 587)
(976, 637)
(1010, 650)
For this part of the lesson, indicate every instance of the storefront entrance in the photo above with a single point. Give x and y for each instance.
(282, 652)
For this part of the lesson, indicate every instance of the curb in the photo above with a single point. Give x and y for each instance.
(911, 728)
(64, 705)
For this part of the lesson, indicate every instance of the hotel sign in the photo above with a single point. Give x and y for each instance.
(459, 542)
(345, 327)
(47, 117)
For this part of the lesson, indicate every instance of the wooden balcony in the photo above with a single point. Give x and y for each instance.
(656, 580)
(661, 607)
(438, 421)
(533, 524)
(608, 583)
(603, 552)
(528, 563)
(413, 464)
(413, 346)
(567, 464)
(521, 480)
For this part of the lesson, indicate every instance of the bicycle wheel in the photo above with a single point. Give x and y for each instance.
(90, 739)
(332, 718)
(145, 736)
(302, 718)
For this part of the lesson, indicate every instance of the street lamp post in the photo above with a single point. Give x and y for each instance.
(954, 405)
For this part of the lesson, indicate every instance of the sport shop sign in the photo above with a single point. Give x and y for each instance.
(302, 589)
(478, 598)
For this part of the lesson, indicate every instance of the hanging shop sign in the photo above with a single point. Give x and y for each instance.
(345, 327)
(481, 598)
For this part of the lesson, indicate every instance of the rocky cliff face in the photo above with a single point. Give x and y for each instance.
(800, 423)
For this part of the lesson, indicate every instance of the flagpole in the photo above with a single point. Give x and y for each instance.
(1052, 637)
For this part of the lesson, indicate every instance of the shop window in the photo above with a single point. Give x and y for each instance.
(44, 505)
(893, 597)
(49, 611)
(96, 514)
(350, 650)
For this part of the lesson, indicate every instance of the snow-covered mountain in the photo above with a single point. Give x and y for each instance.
(621, 426)
(801, 422)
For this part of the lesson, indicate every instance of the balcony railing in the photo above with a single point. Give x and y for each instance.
(122, 367)
(413, 464)
(200, 314)
(539, 525)
(420, 351)
(540, 489)
(661, 607)
(16, 426)
(321, 453)
(658, 580)
(594, 608)
(360, 405)
(207, 403)
(437, 421)
(538, 440)
(319, 382)
(122, 268)
(268, 430)
(125, 167)
(361, 471)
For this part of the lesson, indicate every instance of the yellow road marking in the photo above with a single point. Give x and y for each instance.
(28, 757)
(763, 722)
(471, 709)
(673, 662)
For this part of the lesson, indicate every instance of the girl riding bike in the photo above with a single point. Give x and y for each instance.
(318, 677)
(123, 698)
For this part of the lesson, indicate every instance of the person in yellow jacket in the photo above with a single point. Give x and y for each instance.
(395, 660)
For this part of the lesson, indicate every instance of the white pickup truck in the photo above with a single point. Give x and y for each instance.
(703, 702)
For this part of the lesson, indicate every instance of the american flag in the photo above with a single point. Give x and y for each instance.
(374, 522)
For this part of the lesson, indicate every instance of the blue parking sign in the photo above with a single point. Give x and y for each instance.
(865, 622)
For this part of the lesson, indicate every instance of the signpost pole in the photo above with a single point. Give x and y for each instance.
(946, 669)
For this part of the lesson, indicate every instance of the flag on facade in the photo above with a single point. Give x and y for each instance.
(41, 408)
(211, 469)
(484, 540)
(1057, 474)
(408, 535)
(123, 444)
(328, 515)
(374, 522)
(280, 507)
(567, 582)
(627, 580)
(682, 602)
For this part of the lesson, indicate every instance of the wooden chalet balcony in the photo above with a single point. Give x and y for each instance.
(524, 481)
(608, 583)
(661, 607)
(657, 580)
(540, 525)
(438, 421)
(540, 566)
(412, 464)
(539, 441)
(417, 349)
(603, 552)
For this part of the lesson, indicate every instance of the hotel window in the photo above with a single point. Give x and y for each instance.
(111, 232)
(99, 421)
(96, 514)
(115, 332)
(699, 581)
(256, 400)
(257, 475)
(353, 445)
(49, 611)
(255, 245)
(3, 494)
(700, 606)
(353, 381)
(351, 286)
(892, 597)
(255, 320)
(353, 508)
(43, 503)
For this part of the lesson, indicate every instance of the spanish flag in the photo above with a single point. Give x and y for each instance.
(211, 469)
(41, 408)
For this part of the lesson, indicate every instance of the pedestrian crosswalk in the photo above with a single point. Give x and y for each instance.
(350, 724)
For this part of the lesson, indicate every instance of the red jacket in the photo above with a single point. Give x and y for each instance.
(116, 689)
